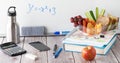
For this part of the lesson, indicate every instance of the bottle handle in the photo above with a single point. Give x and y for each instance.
(13, 13)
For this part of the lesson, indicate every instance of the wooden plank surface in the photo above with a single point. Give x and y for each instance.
(116, 49)
(108, 58)
(113, 55)
(78, 59)
(42, 56)
(8, 59)
(64, 57)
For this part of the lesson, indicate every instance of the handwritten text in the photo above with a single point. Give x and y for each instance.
(41, 9)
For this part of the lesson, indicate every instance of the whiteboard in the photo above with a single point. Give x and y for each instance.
(53, 14)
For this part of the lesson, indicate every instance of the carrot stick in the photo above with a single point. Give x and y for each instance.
(84, 25)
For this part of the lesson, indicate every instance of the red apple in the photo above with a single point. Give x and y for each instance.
(89, 53)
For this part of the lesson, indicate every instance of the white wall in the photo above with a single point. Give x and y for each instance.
(37, 12)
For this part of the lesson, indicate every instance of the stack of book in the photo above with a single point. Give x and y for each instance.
(76, 40)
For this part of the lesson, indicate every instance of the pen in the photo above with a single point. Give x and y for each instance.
(57, 52)
(61, 32)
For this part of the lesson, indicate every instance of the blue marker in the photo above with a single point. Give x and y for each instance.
(61, 32)
(57, 52)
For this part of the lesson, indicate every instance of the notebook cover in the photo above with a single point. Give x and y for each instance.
(39, 46)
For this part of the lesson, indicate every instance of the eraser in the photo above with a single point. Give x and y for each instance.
(31, 56)
(33, 31)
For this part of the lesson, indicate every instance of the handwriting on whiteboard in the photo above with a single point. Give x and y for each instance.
(41, 9)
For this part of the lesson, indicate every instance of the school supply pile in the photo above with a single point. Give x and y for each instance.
(76, 40)
(95, 29)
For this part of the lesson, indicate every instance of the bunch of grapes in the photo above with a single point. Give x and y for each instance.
(77, 20)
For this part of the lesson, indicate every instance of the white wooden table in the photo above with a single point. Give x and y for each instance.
(65, 57)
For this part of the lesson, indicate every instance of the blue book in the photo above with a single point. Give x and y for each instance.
(77, 40)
